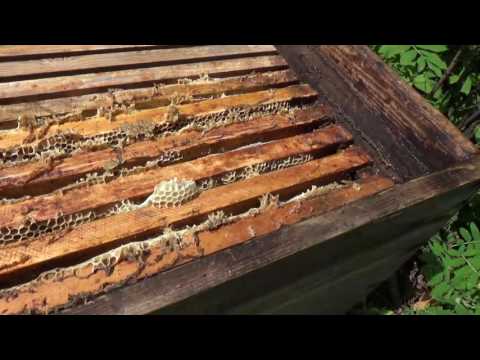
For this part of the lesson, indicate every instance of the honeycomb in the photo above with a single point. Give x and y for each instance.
(54, 146)
(61, 145)
(258, 169)
(32, 229)
(172, 193)
(167, 194)
(95, 178)
(120, 101)
(169, 241)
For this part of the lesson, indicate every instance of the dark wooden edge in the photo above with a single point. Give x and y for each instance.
(320, 280)
(410, 137)
(388, 210)
(332, 276)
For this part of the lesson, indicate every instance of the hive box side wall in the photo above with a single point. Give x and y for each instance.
(329, 278)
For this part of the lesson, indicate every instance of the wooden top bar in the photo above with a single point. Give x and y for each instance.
(130, 59)
(20, 51)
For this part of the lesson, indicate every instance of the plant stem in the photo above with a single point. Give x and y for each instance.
(447, 73)
(470, 264)
(465, 243)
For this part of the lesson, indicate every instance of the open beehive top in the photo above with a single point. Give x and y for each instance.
(121, 162)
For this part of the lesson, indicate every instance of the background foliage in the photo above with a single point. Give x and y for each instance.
(445, 276)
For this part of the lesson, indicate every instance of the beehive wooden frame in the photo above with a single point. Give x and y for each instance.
(274, 120)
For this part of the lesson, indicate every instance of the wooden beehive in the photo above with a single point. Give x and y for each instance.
(214, 178)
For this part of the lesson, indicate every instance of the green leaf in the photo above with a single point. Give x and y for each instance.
(475, 231)
(421, 63)
(471, 250)
(437, 248)
(477, 135)
(390, 51)
(454, 252)
(435, 69)
(447, 274)
(453, 79)
(472, 281)
(463, 272)
(434, 59)
(397, 49)
(430, 75)
(475, 262)
(434, 48)
(467, 86)
(454, 262)
(423, 83)
(408, 57)
(436, 279)
(450, 296)
(438, 95)
(451, 237)
(440, 290)
(460, 282)
(437, 310)
(462, 310)
(465, 234)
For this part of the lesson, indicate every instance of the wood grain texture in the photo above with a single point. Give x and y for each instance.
(357, 242)
(366, 224)
(411, 137)
(142, 98)
(47, 295)
(40, 178)
(333, 276)
(98, 125)
(136, 225)
(49, 206)
(129, 59)
(16, 52)
(61, 86)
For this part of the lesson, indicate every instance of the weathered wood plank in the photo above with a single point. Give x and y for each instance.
(45, 295)
(15, 52)
(347, 288)
(410, 136)
(327, 288)
(142, 98)
(328, 270)
(49, 206)
(389, 214)
(40, 178)
(336, 289)
(98, 125)
(88, 83)
(129, 59)
(98, 236)
(345, 267)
